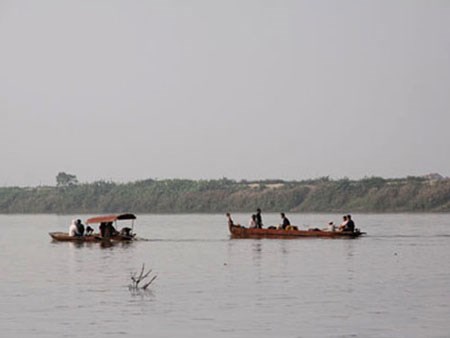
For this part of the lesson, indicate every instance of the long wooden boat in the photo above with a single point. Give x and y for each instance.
(238, 231)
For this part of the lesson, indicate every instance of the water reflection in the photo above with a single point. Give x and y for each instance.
(79, 245)
(257, 252)
(284, 247)
(139, 293)
(349, 249)
(101, 244)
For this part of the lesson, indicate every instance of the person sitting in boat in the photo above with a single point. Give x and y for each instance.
(80, 227)
(285, 221)
(331, 227)
(89, 231)
(102, 228)
(107, 229)
(350, 226)
(73, 229)
(344, 223)
(252, 222)
(110, 230)
(259, 223)
(127, 232)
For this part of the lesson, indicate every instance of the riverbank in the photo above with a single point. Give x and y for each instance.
(375, 194)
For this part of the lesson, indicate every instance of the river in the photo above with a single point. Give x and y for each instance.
(394, 282)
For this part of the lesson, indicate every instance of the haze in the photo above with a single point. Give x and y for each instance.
(129, 90)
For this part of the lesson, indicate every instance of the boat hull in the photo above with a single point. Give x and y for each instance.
(237, 231)
(64, 237)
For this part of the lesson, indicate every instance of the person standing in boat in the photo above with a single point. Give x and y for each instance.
(252, 222)
(285, 221)
(73, 229)
(259, 223)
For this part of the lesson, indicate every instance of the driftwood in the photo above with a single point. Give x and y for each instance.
(134, 286)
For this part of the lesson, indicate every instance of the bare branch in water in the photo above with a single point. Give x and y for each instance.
(146, 275)
(151, 281)
(136, 280)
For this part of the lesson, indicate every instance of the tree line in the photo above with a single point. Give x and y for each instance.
(373, 194)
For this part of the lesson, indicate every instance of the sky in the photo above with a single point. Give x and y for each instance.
(243, 89)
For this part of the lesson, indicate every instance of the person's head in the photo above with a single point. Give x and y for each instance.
(78, 221)
(258, 210)
(254, 217)
(344, 217)
(330, 223)
(349, 216)
(282, 215)
(228, 214)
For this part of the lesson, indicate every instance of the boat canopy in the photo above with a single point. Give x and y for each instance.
(109, 218)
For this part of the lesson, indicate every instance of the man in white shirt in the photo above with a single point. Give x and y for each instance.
(73, 229)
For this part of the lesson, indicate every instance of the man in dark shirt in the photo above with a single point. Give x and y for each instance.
(80, 227)
(259, 223)
(350, 226)
(286, 222)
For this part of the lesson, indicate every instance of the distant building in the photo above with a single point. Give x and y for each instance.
(434, 177)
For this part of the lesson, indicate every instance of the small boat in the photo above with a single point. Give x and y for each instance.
(238, 231)
(125, 234)
(64, 237)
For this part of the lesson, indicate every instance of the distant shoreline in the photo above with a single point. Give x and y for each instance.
(429, 194)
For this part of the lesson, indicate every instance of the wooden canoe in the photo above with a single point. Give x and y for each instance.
(238, 231)
(64, 237)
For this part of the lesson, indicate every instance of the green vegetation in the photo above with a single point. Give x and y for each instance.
(374, 194)
(63, 179)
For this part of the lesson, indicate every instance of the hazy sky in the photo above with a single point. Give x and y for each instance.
(128, 90)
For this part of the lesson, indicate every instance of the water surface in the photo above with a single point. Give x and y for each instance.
(393, 283)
